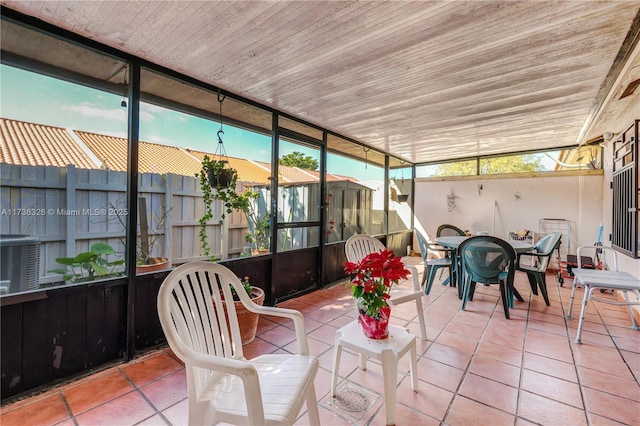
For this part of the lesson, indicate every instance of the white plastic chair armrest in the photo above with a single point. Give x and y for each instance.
(414, 277)
(292, 314)
(236, 367)
(298, 324)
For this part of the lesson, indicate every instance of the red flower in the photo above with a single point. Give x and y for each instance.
(372, 277)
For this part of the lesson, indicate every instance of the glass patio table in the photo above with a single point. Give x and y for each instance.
(455, 241)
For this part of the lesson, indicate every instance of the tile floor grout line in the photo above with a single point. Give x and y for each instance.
(144, 397)
(522, 368)
(466, 372)
(67, 406)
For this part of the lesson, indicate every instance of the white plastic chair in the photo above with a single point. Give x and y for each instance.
(360, 245)
(222, 385)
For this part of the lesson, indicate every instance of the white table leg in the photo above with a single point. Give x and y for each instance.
(634, 325)
(585, 299)
(573, 292)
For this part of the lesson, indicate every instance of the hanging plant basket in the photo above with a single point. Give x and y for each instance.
(221, 179)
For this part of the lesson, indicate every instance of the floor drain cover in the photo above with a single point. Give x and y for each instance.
(352, 400)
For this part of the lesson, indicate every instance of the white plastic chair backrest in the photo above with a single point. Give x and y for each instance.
(191, 306)
(360, 245)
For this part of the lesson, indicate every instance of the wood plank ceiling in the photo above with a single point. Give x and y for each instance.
(424, 80)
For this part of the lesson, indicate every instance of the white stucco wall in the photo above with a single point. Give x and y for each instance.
(518, 203)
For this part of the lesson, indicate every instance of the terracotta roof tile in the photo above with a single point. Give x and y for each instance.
(35, 144)
(248, 171)
(31, 144)
(153, 158)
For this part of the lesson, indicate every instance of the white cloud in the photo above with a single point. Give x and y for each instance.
(145, 116)
(159, 140)
(89, 111)
(118, 114)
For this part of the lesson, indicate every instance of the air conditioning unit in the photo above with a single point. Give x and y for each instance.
(19, 263)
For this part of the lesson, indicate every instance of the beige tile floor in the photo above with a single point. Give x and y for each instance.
(475, 368)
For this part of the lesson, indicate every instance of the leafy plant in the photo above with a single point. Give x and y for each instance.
(259, 226)
(247, 287)
(213, 190)
(89, 265)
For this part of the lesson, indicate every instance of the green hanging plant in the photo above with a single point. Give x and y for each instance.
(213, 188)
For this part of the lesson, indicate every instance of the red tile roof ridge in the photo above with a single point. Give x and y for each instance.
(84, 147)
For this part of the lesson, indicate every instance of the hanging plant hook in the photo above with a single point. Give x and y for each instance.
(221, 97)
(366, 160)
(220, 150)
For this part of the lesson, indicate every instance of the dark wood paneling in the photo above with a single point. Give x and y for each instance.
(11, 341)
(295, 273)
(59, 332)
(334, 262)
(36, 350)
(148, 329)
(114, 324)
(74, 356)
(95, 327)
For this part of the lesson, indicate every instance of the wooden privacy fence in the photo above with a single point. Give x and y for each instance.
(69, 209)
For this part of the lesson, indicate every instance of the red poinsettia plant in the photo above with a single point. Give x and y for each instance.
(372, 277)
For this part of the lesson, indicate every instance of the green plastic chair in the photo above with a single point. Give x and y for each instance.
(431, 266)
(487, 260)
(536, 273)
(447, 230)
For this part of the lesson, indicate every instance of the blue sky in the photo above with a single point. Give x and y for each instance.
(39, 99)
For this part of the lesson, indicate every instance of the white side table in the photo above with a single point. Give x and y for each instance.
(388, 351)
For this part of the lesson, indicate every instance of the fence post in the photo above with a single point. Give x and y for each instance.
(70, 219)
(168, 222)
(224, 240)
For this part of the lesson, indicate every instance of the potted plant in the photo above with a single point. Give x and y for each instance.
(149, 237)
(90, 265)
(247, 320)
(219, 175)
(371, 281)
(212, 188)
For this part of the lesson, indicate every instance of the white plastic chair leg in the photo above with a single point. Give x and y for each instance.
(413, 368)
(421, 322)
(336, 362)
(312, 406)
